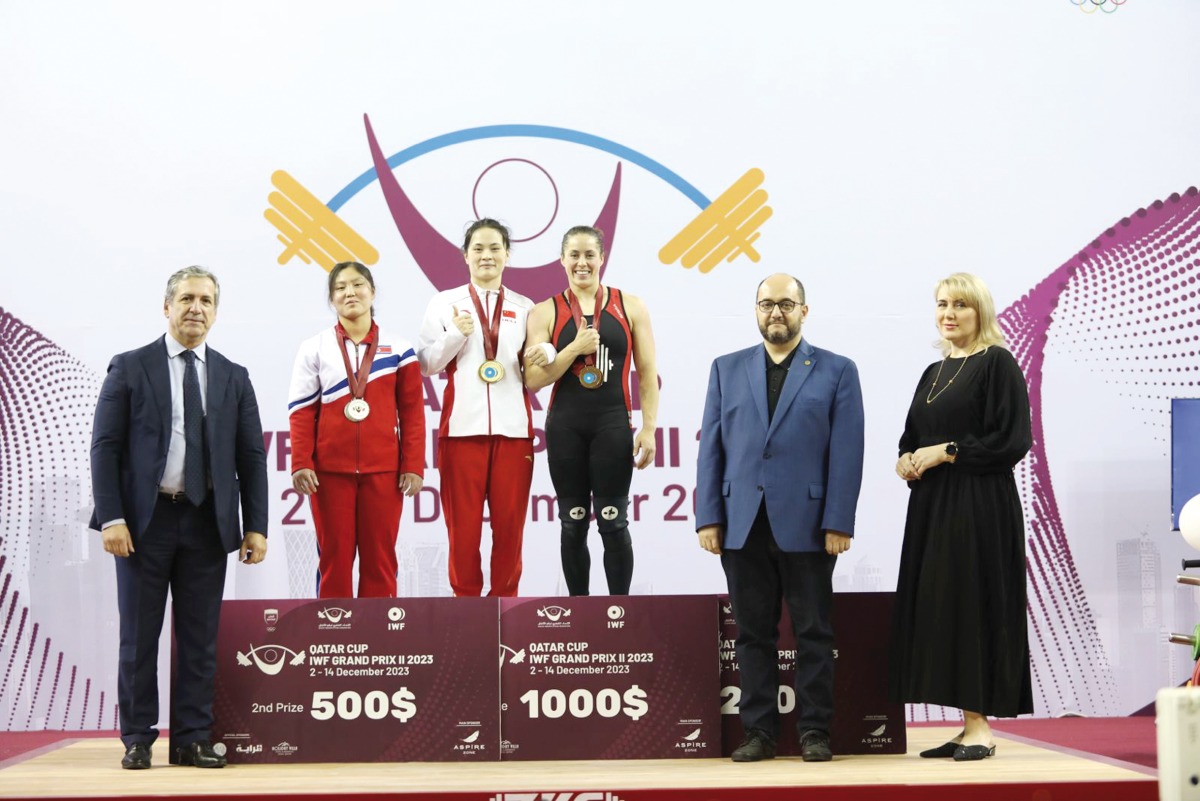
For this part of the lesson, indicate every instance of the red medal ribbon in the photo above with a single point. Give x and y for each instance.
(577, 315)
(491, 337)
(358, 381)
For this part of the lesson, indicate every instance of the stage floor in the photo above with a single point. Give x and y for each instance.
(1022, 768)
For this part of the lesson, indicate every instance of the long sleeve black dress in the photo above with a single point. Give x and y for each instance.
(959, 632)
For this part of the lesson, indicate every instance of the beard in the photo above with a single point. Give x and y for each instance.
(778, 337)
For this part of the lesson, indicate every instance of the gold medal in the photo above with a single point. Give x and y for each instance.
(491, 371)
(357, 410)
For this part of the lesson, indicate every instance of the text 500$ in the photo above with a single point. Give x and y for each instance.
(375, 705)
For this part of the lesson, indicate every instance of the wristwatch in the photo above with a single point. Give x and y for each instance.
(952, 451)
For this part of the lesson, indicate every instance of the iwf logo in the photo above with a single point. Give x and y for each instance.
(724, 229)
(616, 616)
(395, 618)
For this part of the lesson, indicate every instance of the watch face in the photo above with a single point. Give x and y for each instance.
(951, 449)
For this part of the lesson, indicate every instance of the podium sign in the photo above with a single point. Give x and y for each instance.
(864, 720)
(358, 680)
(626, 677)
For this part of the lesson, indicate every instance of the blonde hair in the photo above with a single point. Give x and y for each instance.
(974, 292)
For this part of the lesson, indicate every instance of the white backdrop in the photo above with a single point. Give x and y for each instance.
(899, 143)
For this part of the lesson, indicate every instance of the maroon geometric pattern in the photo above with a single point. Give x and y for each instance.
(1126, 305)
(46, 404)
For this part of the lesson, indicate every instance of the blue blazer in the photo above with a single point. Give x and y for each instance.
(133, 431)
(807, 462)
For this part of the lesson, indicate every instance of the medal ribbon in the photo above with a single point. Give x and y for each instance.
(358, 381)
(491, 336)
(577, 315)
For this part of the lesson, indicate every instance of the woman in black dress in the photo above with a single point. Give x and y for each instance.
(959, 634)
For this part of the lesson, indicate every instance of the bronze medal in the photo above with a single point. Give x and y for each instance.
(357, 409)
(590, 377)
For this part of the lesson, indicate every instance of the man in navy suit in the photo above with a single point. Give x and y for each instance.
(780, 466)
(177, 443)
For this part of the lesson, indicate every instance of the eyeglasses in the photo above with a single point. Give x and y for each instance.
(785, 306)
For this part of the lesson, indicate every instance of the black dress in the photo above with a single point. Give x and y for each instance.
(959, 636)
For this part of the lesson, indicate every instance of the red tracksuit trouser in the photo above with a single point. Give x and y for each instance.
(357, 514)
(500, 471)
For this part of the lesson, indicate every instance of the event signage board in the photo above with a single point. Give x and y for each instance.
(625, 677)
(864, 720)
(358, 680)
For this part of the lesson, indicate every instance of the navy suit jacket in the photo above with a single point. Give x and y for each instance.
(806, 462)
(133, 431)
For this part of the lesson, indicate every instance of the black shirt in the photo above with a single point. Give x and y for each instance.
(776, 375)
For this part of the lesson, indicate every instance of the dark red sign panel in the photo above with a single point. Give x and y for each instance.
(630, 677)
(358, 680)
(864, 721)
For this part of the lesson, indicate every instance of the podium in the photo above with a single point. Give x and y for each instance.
(483, 679)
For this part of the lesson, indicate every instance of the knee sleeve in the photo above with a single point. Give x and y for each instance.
(574, 535)
(613, 523)
(612, 515)
(573, 511)
(576, 561)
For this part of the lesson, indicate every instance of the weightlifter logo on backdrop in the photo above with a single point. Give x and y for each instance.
(270, 659)
(724, 228)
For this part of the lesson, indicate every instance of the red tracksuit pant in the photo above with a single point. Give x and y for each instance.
(357, 514)
(500, 471)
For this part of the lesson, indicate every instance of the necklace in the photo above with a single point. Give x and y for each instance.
(932, 396)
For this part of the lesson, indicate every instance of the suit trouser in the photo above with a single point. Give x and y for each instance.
(180, 550)
(357, 514)
(760, 576)
(498, 470)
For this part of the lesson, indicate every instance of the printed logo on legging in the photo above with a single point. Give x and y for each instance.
(609, 513)
(577, 513)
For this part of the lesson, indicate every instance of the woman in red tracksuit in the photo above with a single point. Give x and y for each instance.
(357, 418)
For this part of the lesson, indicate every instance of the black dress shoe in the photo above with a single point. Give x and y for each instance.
(944, 751)
(814, 746)
(137, 757)
(971, 753)
(199, 754)
(756, 747)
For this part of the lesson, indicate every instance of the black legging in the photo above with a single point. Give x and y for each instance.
(592, 459)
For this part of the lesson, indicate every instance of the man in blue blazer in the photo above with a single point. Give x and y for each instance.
(780, 466)
(177, 444)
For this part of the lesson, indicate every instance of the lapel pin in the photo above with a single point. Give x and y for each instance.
(807, 362)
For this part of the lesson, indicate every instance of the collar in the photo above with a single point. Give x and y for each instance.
(478, 288)
(174, 348)
(371, 336)
(787, 360)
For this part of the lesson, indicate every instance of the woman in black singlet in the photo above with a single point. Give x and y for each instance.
(584, 341)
